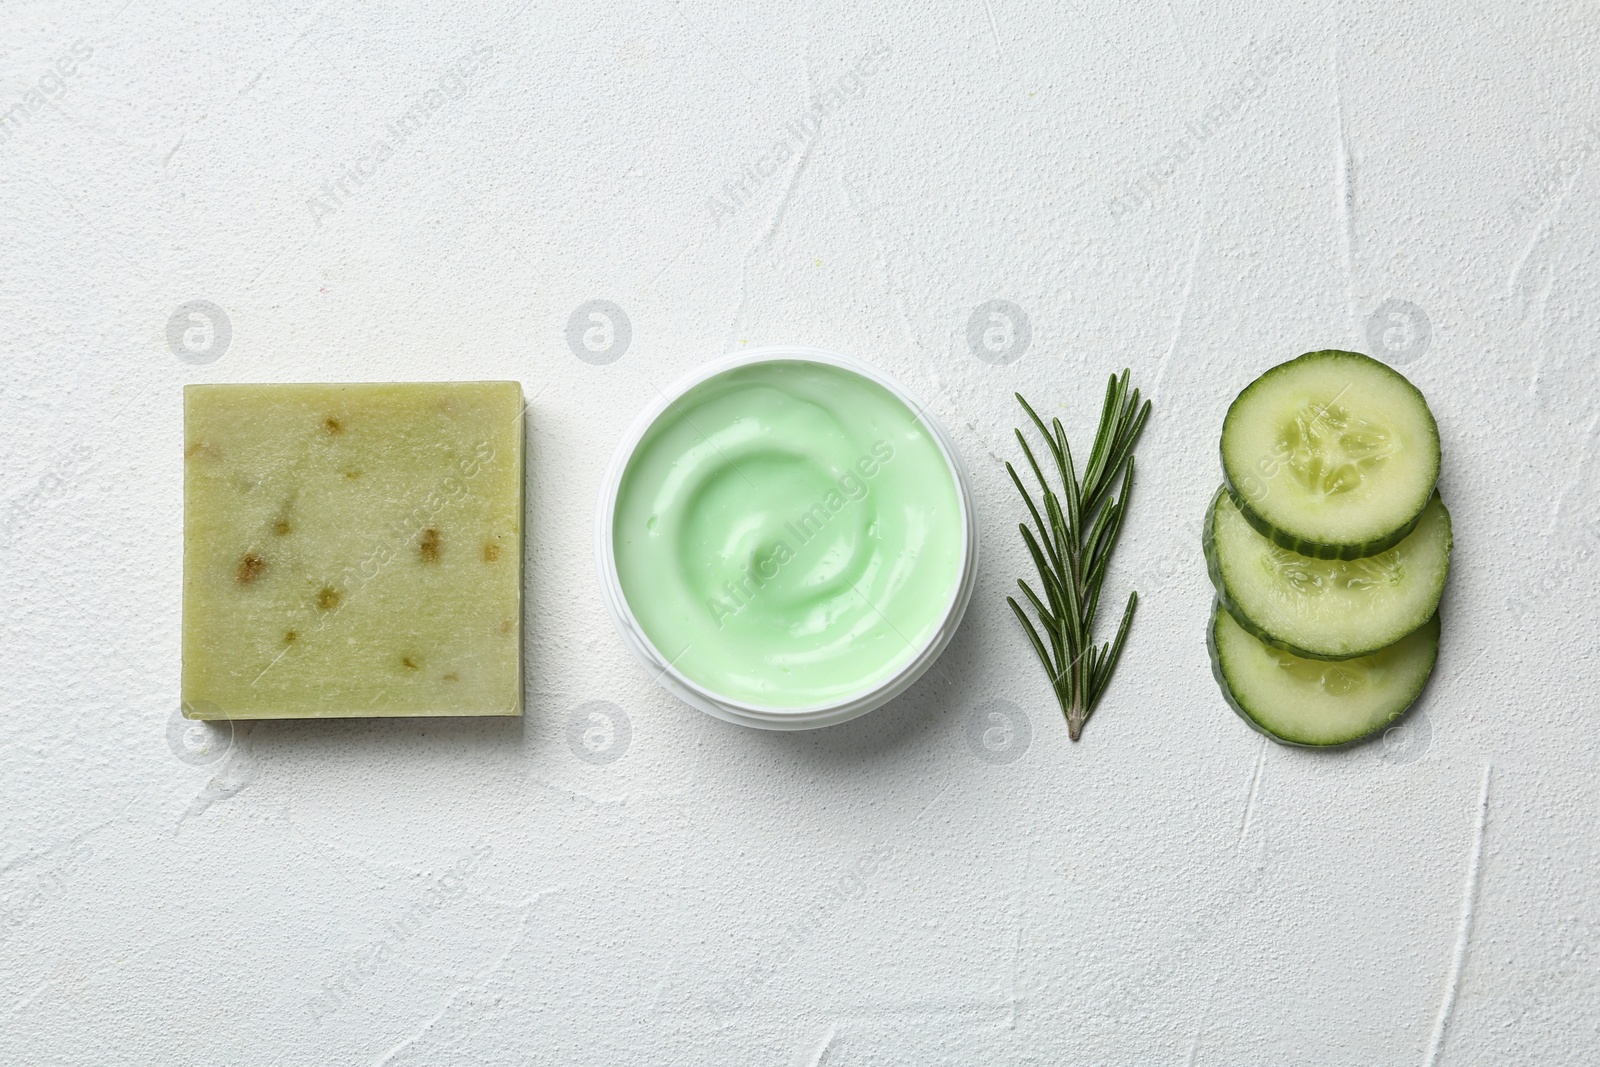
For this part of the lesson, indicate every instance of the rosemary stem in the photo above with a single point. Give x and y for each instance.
(1074, 548)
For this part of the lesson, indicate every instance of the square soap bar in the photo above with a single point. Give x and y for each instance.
(352, 550)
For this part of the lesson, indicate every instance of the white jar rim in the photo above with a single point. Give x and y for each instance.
(769, 717)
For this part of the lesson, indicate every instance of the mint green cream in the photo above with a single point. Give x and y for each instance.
(788, 533)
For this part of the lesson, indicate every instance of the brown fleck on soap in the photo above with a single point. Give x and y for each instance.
(334, 559)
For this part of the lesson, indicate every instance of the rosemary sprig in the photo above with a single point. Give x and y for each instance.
(1071, 546)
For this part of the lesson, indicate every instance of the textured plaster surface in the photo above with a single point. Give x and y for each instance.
(1194, 191)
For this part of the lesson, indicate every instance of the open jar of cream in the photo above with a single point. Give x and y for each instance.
(786, 538)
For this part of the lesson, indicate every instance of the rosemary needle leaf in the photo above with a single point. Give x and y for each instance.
(1047, 574)
(1052, 627)
(1039, 425)
(1033, 635)
(1026, 499)
(1122, 635)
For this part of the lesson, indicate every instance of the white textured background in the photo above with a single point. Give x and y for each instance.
(618, 879)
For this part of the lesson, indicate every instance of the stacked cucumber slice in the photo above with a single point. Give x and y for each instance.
(1328, 546)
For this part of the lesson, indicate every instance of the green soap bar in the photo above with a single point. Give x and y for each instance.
(352, 550)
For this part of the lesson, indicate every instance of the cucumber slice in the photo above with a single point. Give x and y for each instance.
(1318, 703)
(1332, 455)
(1326, 608)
